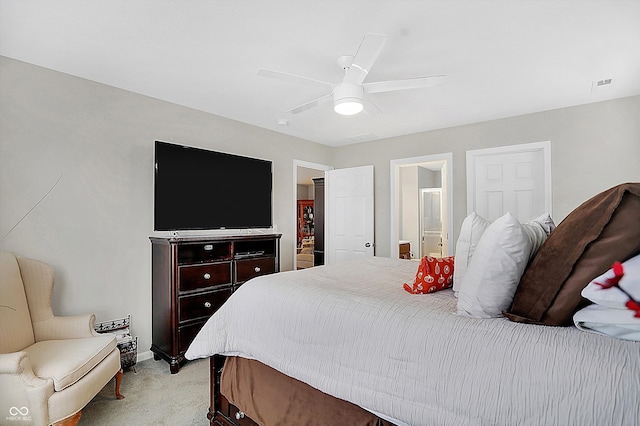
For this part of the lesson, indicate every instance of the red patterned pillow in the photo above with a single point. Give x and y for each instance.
(434, 274)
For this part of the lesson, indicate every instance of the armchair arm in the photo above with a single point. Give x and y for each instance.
(10, 363)
(20, 387)
(65, 327)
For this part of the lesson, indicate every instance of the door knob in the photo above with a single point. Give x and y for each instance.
(367, 244)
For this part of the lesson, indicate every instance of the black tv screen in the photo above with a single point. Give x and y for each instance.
(198, 189)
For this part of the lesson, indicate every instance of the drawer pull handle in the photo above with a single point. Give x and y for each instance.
(239, 415)
(207, 304)
(207, 276)
(257, 269)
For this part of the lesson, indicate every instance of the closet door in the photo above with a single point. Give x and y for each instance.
(514, 179)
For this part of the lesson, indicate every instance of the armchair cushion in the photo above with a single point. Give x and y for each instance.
(73, 359)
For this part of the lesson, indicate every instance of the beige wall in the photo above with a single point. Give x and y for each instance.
(593, 147)
(93, 226)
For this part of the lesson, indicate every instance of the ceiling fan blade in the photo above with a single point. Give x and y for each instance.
(370, 107)
(410, 83)
(368, 52)
(312, 104)
(294, 78)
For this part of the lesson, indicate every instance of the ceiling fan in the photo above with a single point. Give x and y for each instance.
(349, 95)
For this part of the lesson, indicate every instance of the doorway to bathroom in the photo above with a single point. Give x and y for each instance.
(422, 205)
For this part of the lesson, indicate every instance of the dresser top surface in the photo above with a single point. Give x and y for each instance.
(205, 238)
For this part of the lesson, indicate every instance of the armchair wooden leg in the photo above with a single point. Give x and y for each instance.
(70, 421)
(118, 380)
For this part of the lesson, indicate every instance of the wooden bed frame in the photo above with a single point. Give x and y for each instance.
(221, 412)
(224, 413)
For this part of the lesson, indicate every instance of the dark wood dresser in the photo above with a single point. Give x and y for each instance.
(193, 276)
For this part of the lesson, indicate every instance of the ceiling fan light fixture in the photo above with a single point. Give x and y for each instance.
(348, 106)
(347, 99)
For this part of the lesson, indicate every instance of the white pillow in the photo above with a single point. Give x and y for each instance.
(613, 297)
(538, 230)
(471, 230)
(609, 314)
(496, 267)
(546, 222)
(618, 323)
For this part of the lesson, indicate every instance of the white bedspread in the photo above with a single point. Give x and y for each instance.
(352, 331)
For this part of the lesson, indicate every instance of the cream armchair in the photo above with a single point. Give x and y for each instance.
(50, 366)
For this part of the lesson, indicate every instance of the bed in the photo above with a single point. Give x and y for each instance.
(346, 344)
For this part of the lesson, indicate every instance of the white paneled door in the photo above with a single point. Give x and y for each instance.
(514, 179)
(349, 214)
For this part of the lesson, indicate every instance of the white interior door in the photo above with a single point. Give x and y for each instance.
(514, 179)
(349, 227)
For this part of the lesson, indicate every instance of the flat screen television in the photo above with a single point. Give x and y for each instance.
(199, 189)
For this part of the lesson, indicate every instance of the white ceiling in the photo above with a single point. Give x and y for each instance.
(501, 58)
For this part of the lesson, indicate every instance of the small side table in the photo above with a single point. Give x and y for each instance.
(405, 250)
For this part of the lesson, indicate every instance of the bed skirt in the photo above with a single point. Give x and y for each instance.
(247, 392)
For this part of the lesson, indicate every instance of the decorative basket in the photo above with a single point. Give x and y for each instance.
(127, 344)
(129, 353)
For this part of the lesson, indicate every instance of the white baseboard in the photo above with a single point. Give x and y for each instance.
(145, 355)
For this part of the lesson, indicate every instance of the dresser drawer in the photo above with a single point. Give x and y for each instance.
(194, 277)
(239, 418)
(186, 334)
(249, 268)
(230, 415)
(202, 305)
(203, 252)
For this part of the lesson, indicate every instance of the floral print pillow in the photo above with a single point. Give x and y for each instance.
(434, 274)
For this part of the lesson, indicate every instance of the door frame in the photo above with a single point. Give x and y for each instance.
(473, 155)
(306, 164)
(447, 186)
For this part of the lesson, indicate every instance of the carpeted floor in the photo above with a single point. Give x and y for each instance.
(153, 396)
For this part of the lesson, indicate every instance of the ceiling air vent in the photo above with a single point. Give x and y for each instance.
(605, 84)
(363, 137)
